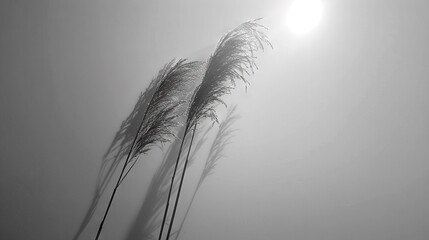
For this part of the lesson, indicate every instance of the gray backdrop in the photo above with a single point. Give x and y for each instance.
(332, 141)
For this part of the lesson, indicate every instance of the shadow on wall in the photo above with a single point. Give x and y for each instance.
(216, 152)
(117, 150)
(166, 94)
(148, 221)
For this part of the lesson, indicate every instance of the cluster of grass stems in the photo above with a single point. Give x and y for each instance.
(167, 100)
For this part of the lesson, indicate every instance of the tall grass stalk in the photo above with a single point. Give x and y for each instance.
(172, 183)
(181, 183)
(233, 59)
(160, 119)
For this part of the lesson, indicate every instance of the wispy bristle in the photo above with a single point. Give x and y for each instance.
(232, 60)
(162, 114)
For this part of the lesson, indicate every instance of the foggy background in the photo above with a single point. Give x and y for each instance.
(332, 142)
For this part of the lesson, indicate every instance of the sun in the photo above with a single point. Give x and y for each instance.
(304, 15)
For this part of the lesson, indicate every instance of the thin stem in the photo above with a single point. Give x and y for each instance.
(128, 171)
(172, 183)
(119, 179)
(180, 185)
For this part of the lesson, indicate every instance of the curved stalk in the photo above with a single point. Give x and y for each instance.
(119, 179)
(172, 183)
(180, 185)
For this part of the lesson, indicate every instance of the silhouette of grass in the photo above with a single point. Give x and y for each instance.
(233, 59)
(161, 102)
(160, 119)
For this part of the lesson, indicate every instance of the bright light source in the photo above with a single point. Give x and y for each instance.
(304, 15)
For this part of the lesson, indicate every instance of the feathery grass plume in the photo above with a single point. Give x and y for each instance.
(160, 118)
(233, 59)
(216, 152)
(164, 111)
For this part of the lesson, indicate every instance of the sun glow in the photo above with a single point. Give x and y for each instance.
(304, 15)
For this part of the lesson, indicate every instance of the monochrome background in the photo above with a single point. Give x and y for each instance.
(332, 143)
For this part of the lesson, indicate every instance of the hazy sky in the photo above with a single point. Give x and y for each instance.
(333, 135)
